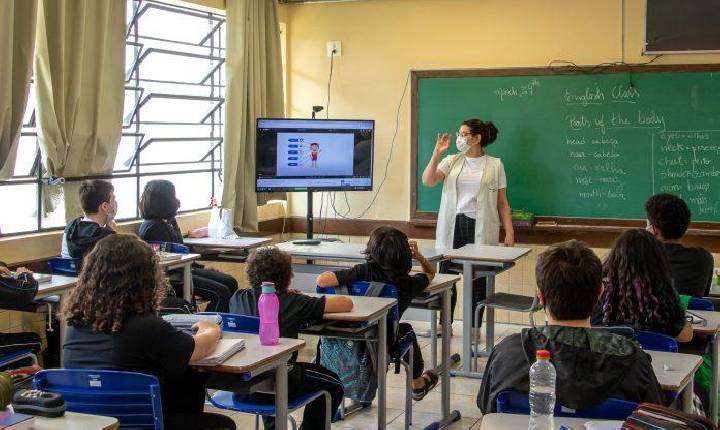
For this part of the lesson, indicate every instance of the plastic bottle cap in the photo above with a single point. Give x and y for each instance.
(268, 287)
(542, 354)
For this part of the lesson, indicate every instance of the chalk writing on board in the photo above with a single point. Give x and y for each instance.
(519, 91)
(686, 164)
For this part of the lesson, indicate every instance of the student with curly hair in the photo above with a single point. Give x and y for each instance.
(297, 310)
(668, 218)
(112, 325)
(638, 288)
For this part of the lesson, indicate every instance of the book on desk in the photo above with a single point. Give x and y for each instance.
(224, 350)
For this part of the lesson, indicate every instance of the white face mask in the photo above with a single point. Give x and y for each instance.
(461, 144)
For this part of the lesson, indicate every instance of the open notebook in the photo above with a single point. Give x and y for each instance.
(224, 350)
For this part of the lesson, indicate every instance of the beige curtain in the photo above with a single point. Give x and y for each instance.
(79, 69)
(254, 89)
(17, 40)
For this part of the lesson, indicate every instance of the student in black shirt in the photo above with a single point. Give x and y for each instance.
(112, 325)
(592, 365)
(389, 260)
(158, 207)
(97, 199)
(296, 311)
(638, 288)
(668, 218)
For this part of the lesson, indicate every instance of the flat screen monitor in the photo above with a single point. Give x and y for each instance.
(314, 154)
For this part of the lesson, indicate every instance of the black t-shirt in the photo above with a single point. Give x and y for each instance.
(692, 269)
(145, 344)
(160, 230)
(296, 310)
(408, 286)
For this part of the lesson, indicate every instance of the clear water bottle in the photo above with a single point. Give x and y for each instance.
(542, 392)
(268, 310)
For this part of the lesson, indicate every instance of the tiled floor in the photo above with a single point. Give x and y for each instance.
(463, 392)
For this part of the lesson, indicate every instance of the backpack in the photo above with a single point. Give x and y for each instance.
(354, 360)
(17, 293)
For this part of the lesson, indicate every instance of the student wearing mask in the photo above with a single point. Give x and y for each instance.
(474, 201)
(97, 200)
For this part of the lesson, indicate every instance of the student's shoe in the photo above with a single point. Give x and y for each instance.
(431, 381)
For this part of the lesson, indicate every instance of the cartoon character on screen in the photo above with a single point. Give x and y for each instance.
(314, 151)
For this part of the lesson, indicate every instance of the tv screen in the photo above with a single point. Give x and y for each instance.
(314, 155)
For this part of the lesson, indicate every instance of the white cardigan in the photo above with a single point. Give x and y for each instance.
(487, 220)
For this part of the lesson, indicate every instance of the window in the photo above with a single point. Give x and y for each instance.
(172, 125)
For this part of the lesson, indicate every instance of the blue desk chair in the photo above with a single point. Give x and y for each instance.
(175, 248)
(133, 398)
(516, 402)
(360, 289)
(13, 357)
(64, 266)
(656, 341)
(226, 400)
(698, 304)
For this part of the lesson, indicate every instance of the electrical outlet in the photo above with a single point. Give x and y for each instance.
(336, 46)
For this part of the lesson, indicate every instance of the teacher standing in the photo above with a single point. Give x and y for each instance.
(474, 199)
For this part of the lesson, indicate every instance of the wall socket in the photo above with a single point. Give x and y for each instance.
(334, 45)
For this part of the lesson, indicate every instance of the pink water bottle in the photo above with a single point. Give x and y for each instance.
(269, 308)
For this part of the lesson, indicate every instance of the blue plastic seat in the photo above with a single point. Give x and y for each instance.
(360, 288)
(12, 357)
(516, 402)
(698, 304)
(656, 341)
(64, 266)
(133, 398)
(175, 248)
(226, 400)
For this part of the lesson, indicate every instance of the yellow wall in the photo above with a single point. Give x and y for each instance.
(383, 39)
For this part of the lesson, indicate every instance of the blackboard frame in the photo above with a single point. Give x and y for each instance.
(428, 219)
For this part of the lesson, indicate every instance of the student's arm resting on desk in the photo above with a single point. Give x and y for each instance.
(206, 339)
(327, 279)
(337, 304)
(686, 334)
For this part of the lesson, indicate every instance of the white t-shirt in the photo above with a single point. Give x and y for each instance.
(469, 182)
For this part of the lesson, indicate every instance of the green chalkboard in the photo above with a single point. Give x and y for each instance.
(581, 144)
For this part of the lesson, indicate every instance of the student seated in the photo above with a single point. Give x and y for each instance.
(97, 200)
(297, 310)
(668, 218)
(592, 364)
(389, 260)
(638, 288)
(10, 299)
(112, 325)
(158, 207)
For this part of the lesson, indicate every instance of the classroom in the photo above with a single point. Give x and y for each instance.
(359, 214)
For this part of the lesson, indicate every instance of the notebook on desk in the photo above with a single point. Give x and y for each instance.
(224, 350)
(42, 277)
(697, 321)
(168, 256)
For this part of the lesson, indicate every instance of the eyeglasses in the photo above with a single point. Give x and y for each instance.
(464, 134)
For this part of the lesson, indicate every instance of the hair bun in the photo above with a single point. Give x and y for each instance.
(489, 133)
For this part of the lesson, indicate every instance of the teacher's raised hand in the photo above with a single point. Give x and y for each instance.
(442, 144)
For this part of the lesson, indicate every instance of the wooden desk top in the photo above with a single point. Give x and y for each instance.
(183, 260)
(342, 251)
(518, 421)
(364, 308)
(57, 284)
(240, 243)
(254, 356)
(495, 254)
(440, 282)
(76, 421)
(713, 322)
(683, 368)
